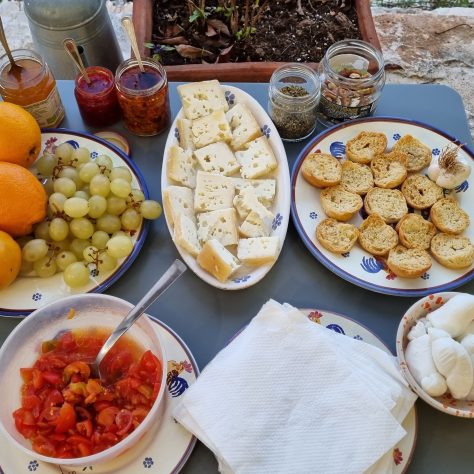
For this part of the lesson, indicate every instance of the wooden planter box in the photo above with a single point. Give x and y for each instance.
(241, 72)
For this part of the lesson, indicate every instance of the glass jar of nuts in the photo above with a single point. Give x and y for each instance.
(352, 77)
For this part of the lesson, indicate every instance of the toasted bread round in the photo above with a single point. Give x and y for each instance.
(389, 169)
(419, 155)
(408, 263)
(376, 236)
(387, 203)
(420, 192)
(356, 178)
(365, 146)
(415, 232)
(321, 170)
(452, 251)
(448, 217)
(335, 236)
(339, 203)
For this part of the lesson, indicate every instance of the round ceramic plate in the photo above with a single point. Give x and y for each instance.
(402, 453)
(26, 294)
(164, 452)
(245, 276)
(358, 266)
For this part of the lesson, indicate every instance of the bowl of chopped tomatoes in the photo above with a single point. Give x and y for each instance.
(55, 408)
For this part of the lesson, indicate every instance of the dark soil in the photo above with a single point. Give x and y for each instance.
(285, 30)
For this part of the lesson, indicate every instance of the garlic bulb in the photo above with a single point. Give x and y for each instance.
(450, 171)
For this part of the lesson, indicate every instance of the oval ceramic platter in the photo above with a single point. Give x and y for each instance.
(28, 293)
(398, 460)
(245, 276)
(163, 451)
(358, 266)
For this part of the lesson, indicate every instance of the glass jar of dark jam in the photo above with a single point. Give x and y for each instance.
(143, 97)
(97, 100)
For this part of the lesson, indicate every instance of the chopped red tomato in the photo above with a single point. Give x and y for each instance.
(67, 418)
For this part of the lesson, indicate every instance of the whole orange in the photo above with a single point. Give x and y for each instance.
(20, 135)
(22, 200)
(10, 256)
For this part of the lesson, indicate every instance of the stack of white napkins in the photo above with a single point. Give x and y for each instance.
(290, 396)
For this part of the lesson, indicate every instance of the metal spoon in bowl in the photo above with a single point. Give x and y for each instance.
(15, 69)
(168, 278)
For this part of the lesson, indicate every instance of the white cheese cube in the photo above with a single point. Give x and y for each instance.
(185, 134)
(210, 129)
(217, 158)
(257, 251)
(220, 225)
(257, 225)
(213, 191)
(217, 260)
(185, 235)
(246, 201)
(257, 159)
(202, 98)
(264, 188)
(178, 200)
(182, 166)
(243, 125)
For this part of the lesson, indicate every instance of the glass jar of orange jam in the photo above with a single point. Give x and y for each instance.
(31, 86)
(143, 97)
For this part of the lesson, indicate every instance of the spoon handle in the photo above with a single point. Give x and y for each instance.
(71, 49)
(3, 40)
(130, 30)
(168, 278)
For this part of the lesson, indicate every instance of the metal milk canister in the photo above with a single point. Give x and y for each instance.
(86, 21)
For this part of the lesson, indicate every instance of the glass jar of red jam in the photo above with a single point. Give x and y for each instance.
(97, 100)
(143, 97)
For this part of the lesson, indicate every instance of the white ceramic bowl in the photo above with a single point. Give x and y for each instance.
(21, 349)
(446, 403)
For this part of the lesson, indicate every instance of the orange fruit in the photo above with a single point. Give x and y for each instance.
(22, 200)
(10, 256)
(20, 135)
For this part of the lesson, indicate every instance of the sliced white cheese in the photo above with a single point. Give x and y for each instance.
(202, 98)
(257, 251)
(185, 235)
(217, 260)
(257, 225)
(217, 158)
(182, 166)
(185, 134)
(243, 125)
(257, 159)
(211, 129)
(247, 201)
(220, 225)
(264, 188)
(178, 200)
(213, 191)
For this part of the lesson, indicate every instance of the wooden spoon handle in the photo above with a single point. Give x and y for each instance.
(130, 30)
(71, 49)
(3, 40)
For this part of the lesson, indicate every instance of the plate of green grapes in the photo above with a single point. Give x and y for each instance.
(97, 221)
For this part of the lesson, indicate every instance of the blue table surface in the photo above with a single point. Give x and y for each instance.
(206, 318)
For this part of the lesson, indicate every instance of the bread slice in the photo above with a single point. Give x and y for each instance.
(415, 232)
(265, 189)
(185, 235)
(420, 192)
(217, 260)
(256, 159)
(339, 203)
(452, 251)
(408, 263)
(243, 125)
(321, 170)
(211, 129)
(185, 134)
(213, 191)
(356, 177)
(202, 98)
(387, 203)
(217, 158)
(448, 217)
(182, 166)
(178, 200)
(365, 146)
(220, 224)
(377, 237)
(419, 155)
(259, 250)
(389, 169)
(335, 236)
(257, 224)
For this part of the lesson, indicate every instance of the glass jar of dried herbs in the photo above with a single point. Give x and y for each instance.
(294, 93)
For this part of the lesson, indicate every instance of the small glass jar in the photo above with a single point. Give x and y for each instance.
(143, 97)
(352, 78)
(294, 93)
(33, 87)
(97, 100)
